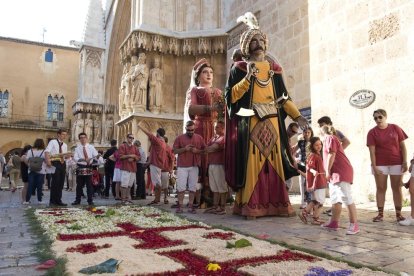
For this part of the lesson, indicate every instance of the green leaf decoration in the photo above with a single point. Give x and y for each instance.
(75, 227)
(110, 212)
(239, 244)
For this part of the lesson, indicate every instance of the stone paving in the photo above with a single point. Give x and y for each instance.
(385, 244)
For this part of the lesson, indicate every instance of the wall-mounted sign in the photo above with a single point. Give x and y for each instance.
(362, 98)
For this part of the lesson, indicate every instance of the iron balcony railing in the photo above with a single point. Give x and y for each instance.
(32, 122)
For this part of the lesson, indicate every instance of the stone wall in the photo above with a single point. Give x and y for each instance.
(286, 24)
(358, 45)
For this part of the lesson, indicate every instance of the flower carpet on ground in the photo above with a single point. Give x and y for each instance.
(148, 241)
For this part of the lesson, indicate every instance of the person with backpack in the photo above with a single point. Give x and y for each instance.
(37, 170)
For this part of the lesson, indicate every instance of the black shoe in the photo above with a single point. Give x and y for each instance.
(61, 204)
(75, 203)
(90, 203)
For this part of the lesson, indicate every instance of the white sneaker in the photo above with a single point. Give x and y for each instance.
(26, 203)
(407, 222)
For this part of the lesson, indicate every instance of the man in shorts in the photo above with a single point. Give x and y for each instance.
(166, 173)
(129, 155)
(217, 181)
(158, 159)
(189, 147)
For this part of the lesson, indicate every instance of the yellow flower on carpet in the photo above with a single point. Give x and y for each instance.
(94, 209)
(213, 267)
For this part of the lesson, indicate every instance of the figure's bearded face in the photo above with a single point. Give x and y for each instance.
(257, 43)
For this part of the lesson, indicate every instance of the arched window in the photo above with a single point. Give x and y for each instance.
(49, 56)
(55, 108)
(4, 103)
(61, 108)
(49, 107)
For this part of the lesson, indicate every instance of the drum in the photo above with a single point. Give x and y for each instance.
(83, 171)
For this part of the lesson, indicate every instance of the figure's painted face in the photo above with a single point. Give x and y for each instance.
(257, 44)
(206, 77)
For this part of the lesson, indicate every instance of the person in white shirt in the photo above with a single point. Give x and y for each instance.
(55, 156)
(84, 155)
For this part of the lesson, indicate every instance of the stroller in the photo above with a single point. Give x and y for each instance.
(97, 183)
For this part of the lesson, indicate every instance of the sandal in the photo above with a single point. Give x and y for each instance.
(378, 218)
(166, 201)
(210, 210)
(220, 212)
(179, 210)
(302, 215)
(192, 211)
(399, 217)
(316, 221)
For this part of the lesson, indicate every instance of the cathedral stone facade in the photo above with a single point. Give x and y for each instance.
(340, 59)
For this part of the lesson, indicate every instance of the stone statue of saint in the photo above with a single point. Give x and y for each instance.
(156, 78)
(139, 79)
(78, 127)
(89, 127)
(97, 130)
(109, 129)
(124, 89)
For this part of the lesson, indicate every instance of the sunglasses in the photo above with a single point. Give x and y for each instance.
(130, 137)
(378, 117)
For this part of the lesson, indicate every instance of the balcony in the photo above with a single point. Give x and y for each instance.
(32, 122)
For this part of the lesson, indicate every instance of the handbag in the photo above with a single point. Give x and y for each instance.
(265, 110)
